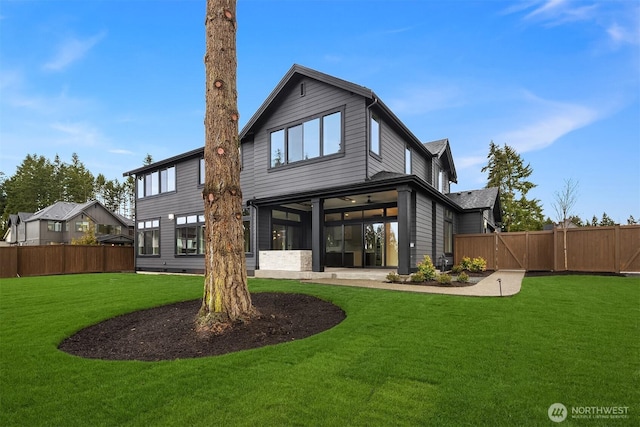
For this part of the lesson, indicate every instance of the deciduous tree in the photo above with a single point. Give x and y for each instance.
(564, 200)
(226, 296)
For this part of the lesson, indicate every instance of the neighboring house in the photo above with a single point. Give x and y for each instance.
(16, 228)
(64, 221)
(327, 168)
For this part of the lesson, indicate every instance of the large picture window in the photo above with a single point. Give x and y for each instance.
(149, 237)
(317, 137)
(190, 234)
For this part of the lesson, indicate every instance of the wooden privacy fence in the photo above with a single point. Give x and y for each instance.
(613, 249)
(64, 259)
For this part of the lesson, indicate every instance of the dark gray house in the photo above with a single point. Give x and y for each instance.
(330, 178)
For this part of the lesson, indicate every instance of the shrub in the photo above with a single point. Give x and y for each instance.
(444, 279)
(417, 277)
(393, 277)
(475, 265)
(463, 277)
(456, 269)
(427, 268)
(478, 264)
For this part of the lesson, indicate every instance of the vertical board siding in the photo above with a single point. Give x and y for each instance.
(588, 249)
(64, 259)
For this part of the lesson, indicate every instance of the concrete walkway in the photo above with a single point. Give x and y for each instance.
(510, 282)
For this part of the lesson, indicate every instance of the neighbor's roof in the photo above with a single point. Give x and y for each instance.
(64, 211)
(485, 198)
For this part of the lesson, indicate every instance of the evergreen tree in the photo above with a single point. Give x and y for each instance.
(630, 221)
(606, 221)
(3, 204)
(507, 171)
(33, 186)
(226, 295)
(78, 182)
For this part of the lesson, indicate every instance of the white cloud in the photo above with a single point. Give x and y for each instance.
(423, 99)
(550, 120)
(78, 133)
(121, 151)
(72, 50)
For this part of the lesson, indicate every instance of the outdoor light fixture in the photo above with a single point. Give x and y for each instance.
(170, 216)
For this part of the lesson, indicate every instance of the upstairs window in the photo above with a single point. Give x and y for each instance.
(201, 172)
(156, 182)
(374, 135)
(317, 137)
(442, 181)
(407, 160)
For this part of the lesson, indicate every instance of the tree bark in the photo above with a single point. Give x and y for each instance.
(226, 296)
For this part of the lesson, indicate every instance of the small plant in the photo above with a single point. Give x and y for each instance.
(478, 265)
(456, 269)
(427, 268)
(444, 279)
(417, 277)
(463, 277)
(475, 265)
(393, 277)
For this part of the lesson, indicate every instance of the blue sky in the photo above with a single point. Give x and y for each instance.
(557, 80)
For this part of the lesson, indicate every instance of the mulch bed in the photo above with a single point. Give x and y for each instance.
(168, 332)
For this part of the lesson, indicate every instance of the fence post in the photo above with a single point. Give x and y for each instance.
(616, 242)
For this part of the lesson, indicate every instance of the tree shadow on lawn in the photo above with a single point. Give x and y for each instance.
(168, 332)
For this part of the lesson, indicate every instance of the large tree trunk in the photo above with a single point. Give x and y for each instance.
(226, 296)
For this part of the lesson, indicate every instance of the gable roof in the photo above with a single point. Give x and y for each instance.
(296, 72)
(441, 149)
(15, 219)
(64, 211)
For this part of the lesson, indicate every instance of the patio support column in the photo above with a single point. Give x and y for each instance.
(404, 230)
(317, 232)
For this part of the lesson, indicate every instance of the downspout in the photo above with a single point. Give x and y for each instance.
(367, 137)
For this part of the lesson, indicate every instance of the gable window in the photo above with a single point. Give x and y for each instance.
(407, 160)
(156, 182)
(374, 135)
(442, 178)
(309, 139)
(190, 234)
(149, 237)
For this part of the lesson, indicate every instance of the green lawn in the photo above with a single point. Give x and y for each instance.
(398, 358)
